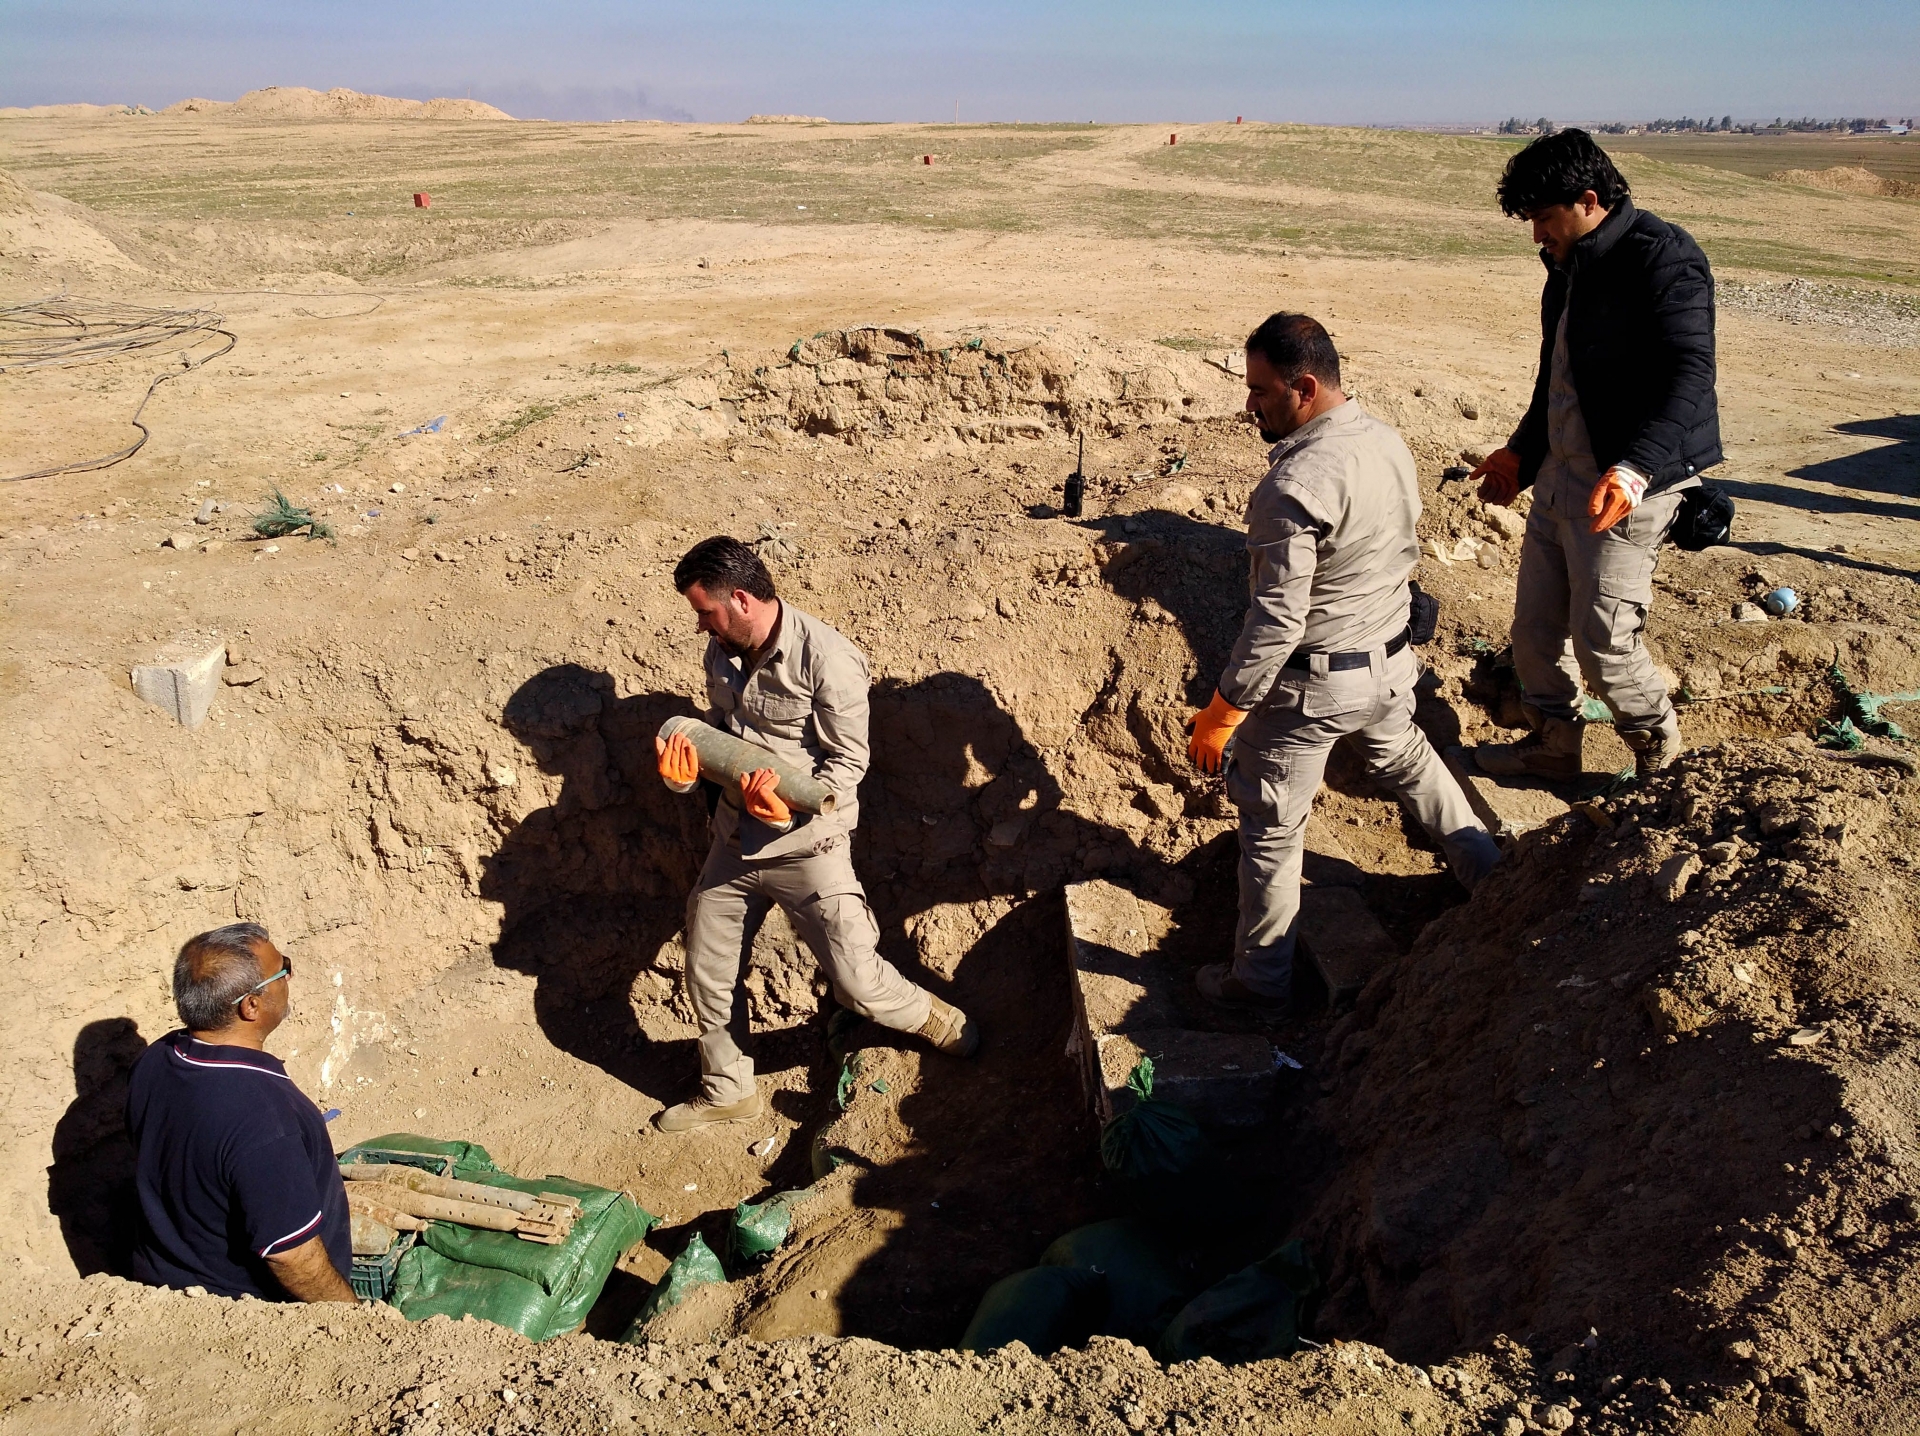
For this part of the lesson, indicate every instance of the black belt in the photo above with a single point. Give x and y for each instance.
(1303, 659)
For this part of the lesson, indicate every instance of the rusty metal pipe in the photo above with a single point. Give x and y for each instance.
(416, 1180)
(725, 759)
(445, 1209)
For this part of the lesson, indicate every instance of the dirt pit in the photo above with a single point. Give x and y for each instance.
(1572, 1161)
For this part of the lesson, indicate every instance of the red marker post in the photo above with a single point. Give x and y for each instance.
(421, 200)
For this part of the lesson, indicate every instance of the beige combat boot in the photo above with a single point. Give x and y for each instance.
(686, 1116)
(1654, 748)
(1551, 751)
(949, 1029)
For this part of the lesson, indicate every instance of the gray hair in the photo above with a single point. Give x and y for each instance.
(213, 972)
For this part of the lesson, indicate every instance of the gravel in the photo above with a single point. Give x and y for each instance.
(1870, 316)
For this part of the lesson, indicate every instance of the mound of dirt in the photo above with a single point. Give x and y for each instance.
(1850, 179)
(44, 231)
(873, 383)
(69, 112)
(294, 102)
(787, 120)
(107, 1355)
(1643, 1103)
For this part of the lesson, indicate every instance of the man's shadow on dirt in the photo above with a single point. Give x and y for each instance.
(1196, 571)
(90, 1184)
(1892, 469)
(593, 886)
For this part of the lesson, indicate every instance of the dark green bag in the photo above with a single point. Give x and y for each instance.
(757, 1230)
(1153, 1137)
(695, 1267)
(1144, 1286)
(1047, 1307)
(1254, 1314)
(539, 1291)
(1166, 1167)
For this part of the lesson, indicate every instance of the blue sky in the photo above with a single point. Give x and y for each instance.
(1365, 61)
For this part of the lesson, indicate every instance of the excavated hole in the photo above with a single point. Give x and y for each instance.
(558, 1027)
(957, 1174)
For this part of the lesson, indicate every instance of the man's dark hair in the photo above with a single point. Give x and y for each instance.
(213, 971)
(1558, 169)
(720, 565)
(1296, 344)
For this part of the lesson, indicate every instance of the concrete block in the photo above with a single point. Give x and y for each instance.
(1345, 940)
(182, 679)
(1508, 806)
(1125, 1007)
(1224, 1078)
(1328, 863)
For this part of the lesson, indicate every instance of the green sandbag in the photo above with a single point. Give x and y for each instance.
(1166, 1167)
(1144, 1287)
(1153, 1137)
(695, 1267)
(756, 1231)
(1047, 1307)
(537, 1290)
(1254, 1314)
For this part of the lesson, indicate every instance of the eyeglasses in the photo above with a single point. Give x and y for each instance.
(286, 971)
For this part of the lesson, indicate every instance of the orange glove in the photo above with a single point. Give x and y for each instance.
(679, 764)
(1499, 476)
(756, 792)
(1211, 727)
(1616, 495)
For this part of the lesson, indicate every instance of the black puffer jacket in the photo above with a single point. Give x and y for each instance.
(1640, 340)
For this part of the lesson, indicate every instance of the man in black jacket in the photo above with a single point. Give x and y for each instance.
(1623, 419)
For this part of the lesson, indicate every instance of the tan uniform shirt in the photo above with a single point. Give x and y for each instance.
(1330, 537)
(1569, 457)
(804, 699)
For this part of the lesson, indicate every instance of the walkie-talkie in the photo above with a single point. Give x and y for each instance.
(1077, 482)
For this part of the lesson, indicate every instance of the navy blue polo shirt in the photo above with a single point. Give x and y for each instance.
(233, 1165)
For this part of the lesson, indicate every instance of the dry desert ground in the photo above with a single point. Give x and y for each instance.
(1625, 1143)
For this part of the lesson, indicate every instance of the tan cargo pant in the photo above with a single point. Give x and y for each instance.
(828, 909)
(1273, 770)
(1581, 603)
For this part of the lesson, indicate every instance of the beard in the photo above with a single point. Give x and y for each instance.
(737, 638)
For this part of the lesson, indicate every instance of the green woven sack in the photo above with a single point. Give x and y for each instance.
(695, 1267)
(1153, 1137)
(539, 1291)
(1256, 1313)
(1046, 1308)
(1145, 1287)
(757, 1230)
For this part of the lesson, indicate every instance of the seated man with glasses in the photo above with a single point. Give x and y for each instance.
(239, 1192)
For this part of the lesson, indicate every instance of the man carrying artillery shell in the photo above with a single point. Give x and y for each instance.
(786, 682)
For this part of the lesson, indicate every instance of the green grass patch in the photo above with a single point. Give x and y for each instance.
(520, 422)
(1262, 189)
(282, 518)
